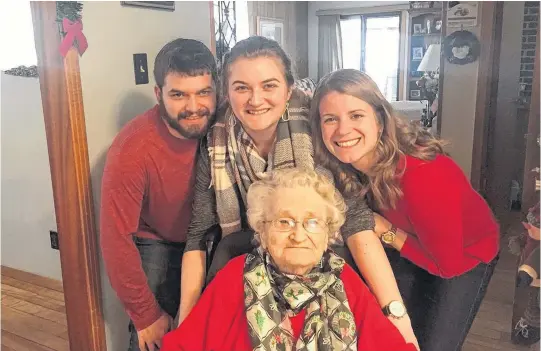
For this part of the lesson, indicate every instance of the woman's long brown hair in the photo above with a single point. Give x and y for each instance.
(398, 138)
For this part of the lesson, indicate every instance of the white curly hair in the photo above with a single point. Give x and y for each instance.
(260, 194)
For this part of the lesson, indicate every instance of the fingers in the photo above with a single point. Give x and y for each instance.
(142, 344)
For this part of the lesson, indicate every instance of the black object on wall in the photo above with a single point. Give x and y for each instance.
(140, 68)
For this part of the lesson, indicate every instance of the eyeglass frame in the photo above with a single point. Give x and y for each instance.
(291, 227)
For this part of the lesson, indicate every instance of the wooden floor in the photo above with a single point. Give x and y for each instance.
(492, 327)
(33, 312)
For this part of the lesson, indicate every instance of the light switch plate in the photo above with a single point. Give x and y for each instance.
(140, 68)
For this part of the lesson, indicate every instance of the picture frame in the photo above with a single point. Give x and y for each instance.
(437, 25)
(272, 28)
(417, 28)
(417, 5)
(415, 94)
(152, 5)
(417, 53)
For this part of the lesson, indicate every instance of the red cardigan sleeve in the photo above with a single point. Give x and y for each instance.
(212, 319)
(434, 194)
(375, 331)
(123, 186)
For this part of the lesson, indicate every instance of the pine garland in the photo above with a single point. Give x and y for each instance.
(67, 9)
(23, 71)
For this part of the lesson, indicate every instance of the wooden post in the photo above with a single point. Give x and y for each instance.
(63, 112)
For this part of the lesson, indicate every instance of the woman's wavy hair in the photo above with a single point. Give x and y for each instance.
(398, 138)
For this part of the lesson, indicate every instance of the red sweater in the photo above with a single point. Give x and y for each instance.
(218, 320)
(450, 227)
(146, 191)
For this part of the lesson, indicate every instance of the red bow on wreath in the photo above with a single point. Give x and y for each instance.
(74, 31)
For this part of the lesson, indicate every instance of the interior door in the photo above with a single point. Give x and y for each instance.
(531, 162)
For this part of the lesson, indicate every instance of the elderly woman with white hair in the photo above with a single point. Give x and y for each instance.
(291, 292)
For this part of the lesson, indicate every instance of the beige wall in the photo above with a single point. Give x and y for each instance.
(111, 97)
(27, 194)
(459, 93)
(295, 17)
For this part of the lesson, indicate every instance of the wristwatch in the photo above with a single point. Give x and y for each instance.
(395, 309)
(389, 236)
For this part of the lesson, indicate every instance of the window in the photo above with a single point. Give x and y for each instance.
(225, 26)
(371, 44)
(16, 35)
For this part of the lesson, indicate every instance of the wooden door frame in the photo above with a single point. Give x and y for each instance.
(491, 14)
(65, 127)
(63, 112)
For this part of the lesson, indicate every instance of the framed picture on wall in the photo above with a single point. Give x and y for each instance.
(415, 94)
(417, 53)
(272, 28)
(155, 5)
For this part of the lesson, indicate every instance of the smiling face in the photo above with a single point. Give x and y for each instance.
(296, 251)
(187, 104)
(350, 129)
(258, 93)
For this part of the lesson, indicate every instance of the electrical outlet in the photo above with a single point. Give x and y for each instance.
(54, 239)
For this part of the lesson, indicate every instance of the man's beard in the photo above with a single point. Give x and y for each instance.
(190, 132)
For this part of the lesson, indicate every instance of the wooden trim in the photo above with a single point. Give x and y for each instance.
(491, 13)
(32, 278)
(443, 62)
(403, 56)
(531, 160)
(212, 29)
(65, 127)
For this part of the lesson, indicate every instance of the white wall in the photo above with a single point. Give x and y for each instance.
(27, 195)
(111, 97)
(314, 6)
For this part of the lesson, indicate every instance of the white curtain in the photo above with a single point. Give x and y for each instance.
(329, 45)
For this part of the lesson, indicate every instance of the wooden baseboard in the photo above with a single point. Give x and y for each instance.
(32, 278)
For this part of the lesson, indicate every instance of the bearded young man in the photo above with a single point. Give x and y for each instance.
(147, 190)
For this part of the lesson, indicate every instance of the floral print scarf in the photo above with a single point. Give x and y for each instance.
(270, 297)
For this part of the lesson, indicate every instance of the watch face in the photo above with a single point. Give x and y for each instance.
(387, 237)
(397, 308)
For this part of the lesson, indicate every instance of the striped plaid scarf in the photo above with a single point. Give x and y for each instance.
(235, 163)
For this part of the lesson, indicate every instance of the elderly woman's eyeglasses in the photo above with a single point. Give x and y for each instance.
(312, 225)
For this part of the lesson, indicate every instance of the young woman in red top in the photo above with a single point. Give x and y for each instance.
(442, 238)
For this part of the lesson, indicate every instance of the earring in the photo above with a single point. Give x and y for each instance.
(232, 120)
(286, 113)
